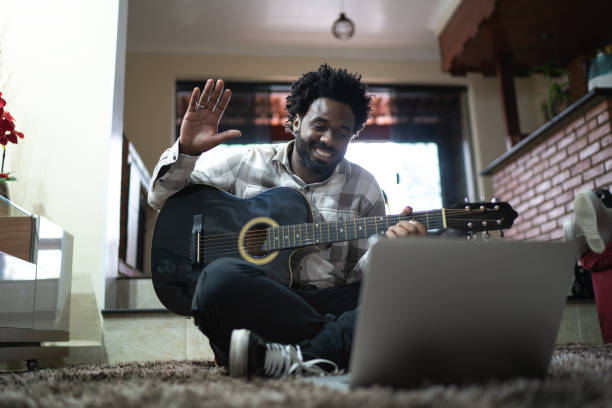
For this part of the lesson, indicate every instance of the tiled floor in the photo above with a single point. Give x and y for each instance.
(138, 337)
(165, 336)
(580, 323)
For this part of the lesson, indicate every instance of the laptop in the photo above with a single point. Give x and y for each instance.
(452, 311)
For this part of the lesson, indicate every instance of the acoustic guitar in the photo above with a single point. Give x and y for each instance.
(272, 230)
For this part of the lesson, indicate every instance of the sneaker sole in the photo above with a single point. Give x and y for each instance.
(239, 353)
(586, 215)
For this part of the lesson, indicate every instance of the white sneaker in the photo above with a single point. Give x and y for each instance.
(252, 355)
(592, 226)
(573, 232)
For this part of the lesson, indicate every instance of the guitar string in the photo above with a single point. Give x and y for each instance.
(328, 238)
(233, 243)
(260, 238)
(299, 228)
(232, 248)
(217, 251)
(369, 222)
(305, 229)
(421, 214)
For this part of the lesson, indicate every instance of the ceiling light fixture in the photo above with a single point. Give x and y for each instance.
(343, 27)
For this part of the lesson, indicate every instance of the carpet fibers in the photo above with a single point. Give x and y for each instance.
(579, 376)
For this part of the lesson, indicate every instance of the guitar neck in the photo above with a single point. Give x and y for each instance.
(303, 235)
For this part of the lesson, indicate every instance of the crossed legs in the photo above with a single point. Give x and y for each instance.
(233, 294)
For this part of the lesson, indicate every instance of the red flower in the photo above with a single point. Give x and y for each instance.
(11, 137)
(7, 129)
(7, 134)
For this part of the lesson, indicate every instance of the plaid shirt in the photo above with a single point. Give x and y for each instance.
(350, 192)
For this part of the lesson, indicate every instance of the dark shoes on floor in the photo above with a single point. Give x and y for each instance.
(251, 355)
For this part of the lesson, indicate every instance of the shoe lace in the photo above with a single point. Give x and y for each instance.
(284, 360)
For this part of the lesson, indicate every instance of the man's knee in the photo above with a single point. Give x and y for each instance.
(219, 281)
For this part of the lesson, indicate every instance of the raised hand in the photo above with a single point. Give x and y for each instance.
(200, 127)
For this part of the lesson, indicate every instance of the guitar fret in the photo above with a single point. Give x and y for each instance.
(299, 235)
(337, 237)
(275, 241)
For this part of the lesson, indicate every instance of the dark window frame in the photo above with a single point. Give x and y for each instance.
(427, 123)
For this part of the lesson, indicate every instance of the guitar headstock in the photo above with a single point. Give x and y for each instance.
(483, 216)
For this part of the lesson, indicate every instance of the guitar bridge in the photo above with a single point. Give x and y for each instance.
(196, 242)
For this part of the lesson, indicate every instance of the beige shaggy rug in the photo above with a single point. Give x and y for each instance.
(579, 376)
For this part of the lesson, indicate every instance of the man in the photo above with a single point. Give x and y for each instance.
(240, 309)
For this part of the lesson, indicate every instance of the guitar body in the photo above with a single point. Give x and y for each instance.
(202, 223)
(224, 220)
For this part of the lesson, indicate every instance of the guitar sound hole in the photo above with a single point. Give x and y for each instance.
(254, 240)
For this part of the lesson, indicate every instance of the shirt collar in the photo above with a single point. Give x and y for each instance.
(283, 156)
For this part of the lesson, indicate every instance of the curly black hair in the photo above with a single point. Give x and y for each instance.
(328, 82)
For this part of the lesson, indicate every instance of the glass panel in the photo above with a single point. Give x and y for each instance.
(17, 286)
(53, 260)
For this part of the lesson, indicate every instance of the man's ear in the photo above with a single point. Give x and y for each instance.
(296, 124)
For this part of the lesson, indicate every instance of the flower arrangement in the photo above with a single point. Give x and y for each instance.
(7, 134)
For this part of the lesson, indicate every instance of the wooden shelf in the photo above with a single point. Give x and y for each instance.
(16, 236)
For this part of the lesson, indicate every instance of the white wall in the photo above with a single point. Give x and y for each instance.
(57, 73)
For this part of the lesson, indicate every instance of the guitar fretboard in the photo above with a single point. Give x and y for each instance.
(302, 235)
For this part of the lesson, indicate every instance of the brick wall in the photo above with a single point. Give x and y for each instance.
(540, 182)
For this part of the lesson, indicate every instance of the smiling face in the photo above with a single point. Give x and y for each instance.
(322, 136)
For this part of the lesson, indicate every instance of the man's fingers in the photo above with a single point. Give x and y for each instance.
(204, 98)
(216, 94)
(193, 100)
(405, 228)
(228, 134)
(420, 227)
(225, 98)
(407, 210)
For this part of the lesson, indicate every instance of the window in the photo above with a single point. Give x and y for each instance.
(419, 134)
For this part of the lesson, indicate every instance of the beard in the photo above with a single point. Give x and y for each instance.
(316, 166)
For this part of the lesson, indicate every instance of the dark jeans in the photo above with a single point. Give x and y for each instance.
(233, 294)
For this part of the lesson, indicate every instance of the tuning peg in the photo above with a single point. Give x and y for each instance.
(501, 233)
(483, 199)
(493, 200)
(471, 236)
(486, 235)
(466, 200)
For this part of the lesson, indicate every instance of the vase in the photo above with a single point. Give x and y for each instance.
(4, 190)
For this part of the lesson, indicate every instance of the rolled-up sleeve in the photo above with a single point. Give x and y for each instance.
(175, 171)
